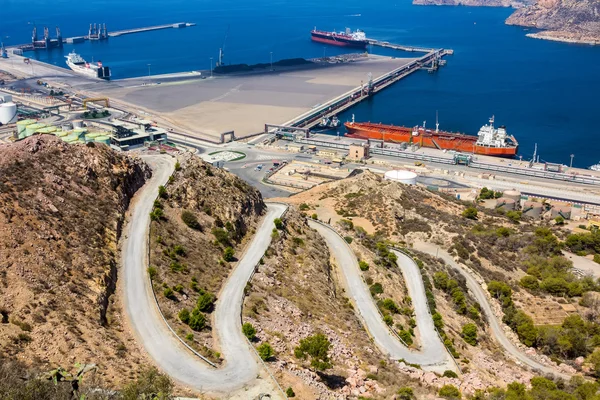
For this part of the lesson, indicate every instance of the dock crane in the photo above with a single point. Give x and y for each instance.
(222, 49)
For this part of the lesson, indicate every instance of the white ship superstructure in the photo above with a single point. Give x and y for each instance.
(79, 65)
(489, 136)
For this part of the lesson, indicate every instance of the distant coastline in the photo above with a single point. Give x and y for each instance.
(544, 35)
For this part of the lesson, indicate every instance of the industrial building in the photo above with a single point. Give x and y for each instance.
(131, 134)
(358, 152)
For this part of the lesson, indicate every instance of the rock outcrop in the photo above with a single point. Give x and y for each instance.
(61, 213)
(576, 21)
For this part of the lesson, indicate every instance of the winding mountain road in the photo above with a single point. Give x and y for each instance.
(495, 325)
(433, 355)
(165, 349)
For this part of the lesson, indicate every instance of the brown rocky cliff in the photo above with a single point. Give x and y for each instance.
(573, 18)
(61, 214)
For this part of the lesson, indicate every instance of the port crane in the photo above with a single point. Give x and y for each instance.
(222, 49)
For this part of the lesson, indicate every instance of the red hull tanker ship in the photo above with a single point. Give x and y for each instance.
(357, 40)
(489, 141)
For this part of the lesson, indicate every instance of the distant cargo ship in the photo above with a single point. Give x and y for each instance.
(79, 65)
(489, 141)
(348, 38)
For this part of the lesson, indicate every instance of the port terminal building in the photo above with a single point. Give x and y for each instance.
(129, 135)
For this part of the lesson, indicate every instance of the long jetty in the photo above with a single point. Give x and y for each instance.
(355, 96)
(150, 28)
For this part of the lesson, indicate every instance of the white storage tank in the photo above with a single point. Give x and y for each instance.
(533, 209)
(8, 113)
(402, 176)
(506, 204)
(512, 194)
(77, 123)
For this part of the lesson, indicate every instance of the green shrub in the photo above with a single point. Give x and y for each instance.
(363, 265)
(169, 294)
(317, 347)
(450, 392)
(177, 166)
(184, 316)
(304, 207)
(152, 272)
(390, 305)
(405, 336)
(249, 331)
(197, 320)
(228, 254)
(469, 334)
(376, 288)
(278, 223)
(157, 214)
(179, 250)
(265, 351)
(348, 239)
(314, 216)
(346, 224)
(559, 220)
(597, 258)
(162, 192)
(178, 288)
(221, 236)
(529, 282)
(450, 374)
(289, 392)
(190, 219)
(206, 301)
(405, 393)
(437, 320)
(189, 337)
(470, 213)
(388, 320)
(514, 216)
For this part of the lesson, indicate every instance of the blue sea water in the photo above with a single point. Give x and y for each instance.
(544, 92)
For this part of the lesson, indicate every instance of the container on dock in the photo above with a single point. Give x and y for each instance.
(505, 204)
(33, 128)
(90, 137)
(69, 139)
(102, 139)
(21, 125)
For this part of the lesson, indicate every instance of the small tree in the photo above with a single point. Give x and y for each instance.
(594, 359)
(169, 293)
(559, 220)
(249, 331)
(265, 351)
(197, 320)
(206, 301)
(278, 223)
(363, 265)
(177, 166)
(514, 216)
(469, 334)
(228, 254)
(184, 316)
(162, 192)
(470, 213)
(317, 347)
(314, 216)
(289, 392)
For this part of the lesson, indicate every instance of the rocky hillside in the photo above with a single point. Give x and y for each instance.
(61, 214)
(201, 222)
(569, 20)
(296, 293)
(563, 20)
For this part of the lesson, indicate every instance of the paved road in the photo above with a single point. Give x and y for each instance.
(169, 354)
(433, 355)
(481, 297)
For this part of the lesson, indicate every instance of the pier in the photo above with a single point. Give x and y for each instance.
(430, 61)
(150, 28)
(96, 32)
